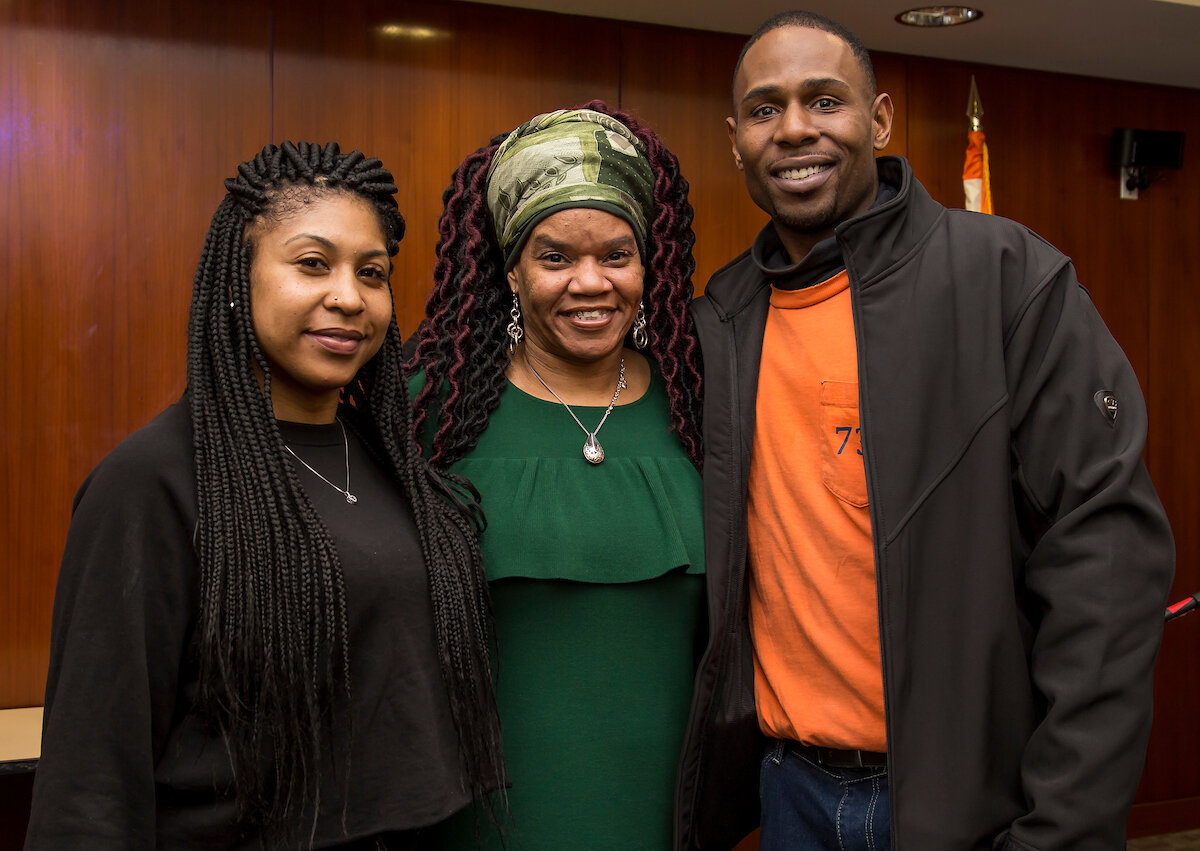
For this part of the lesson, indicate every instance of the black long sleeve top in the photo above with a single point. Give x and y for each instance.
(126, 761)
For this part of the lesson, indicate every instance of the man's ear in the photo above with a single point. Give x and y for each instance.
(881, 120)
(731, 129)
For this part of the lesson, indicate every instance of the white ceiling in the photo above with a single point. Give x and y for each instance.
(1148, 41)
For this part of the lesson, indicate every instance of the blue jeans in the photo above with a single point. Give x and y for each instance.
(809, 806)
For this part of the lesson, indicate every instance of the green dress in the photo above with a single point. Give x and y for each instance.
(597, 585)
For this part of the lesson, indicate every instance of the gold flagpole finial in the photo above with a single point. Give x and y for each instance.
(975, 107)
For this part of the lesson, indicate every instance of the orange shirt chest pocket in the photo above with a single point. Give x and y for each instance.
(841, 448)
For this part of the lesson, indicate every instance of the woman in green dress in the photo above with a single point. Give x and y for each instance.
(558, 371)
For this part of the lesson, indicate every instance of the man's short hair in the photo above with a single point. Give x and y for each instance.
(813, 21)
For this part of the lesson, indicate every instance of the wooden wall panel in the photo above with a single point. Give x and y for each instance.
(449, 78)
(1171, 273)
(119, 122)
(678, 82)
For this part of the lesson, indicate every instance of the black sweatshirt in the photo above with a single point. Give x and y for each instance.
(126, 762)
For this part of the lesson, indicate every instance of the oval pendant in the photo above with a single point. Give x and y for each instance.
(351, 498)
(592, 450)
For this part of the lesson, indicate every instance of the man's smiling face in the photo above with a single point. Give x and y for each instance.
(806, 126)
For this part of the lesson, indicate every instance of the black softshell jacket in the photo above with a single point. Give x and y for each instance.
(1022, 557)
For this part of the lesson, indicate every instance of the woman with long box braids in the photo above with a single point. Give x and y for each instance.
(557, 370)
(271, 627)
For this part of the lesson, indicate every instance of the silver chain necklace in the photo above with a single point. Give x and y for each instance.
(350, 498)
(592, 450)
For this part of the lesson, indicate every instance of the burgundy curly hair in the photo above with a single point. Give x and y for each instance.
(462, 346)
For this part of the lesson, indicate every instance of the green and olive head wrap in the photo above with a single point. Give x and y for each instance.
(562, 160)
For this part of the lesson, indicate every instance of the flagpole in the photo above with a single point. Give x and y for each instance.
(977, 182)
(975, 108)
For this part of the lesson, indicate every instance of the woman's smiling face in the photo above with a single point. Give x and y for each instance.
(579, 279)
(319, 300)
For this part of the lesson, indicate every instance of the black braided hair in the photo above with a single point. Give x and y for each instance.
(272, 631)
(462, 346)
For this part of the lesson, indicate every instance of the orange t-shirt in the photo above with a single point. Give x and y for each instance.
(813, 613)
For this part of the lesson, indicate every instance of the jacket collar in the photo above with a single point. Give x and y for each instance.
(875, 241)
(866, 244)
(821, 263)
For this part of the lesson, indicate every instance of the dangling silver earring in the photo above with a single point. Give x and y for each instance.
(515, 334)
(639, 327)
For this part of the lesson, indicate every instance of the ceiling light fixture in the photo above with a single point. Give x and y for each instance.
(409, 31)
(939, 16)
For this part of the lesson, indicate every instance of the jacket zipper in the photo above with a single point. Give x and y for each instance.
(737, 549)
(876, 543)
(737, 516)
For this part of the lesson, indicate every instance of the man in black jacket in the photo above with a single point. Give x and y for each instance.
(937, 564)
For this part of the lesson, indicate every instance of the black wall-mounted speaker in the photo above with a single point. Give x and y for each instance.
(1146, 148)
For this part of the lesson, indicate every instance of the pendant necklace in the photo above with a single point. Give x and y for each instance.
(350, 498)
(592, 450)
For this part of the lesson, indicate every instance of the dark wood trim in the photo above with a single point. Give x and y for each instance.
(1158, 817)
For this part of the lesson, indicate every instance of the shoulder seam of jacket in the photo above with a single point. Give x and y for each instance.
(1034, 294)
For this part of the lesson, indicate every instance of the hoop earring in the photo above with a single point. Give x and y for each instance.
(639, 327)
(515, 334)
